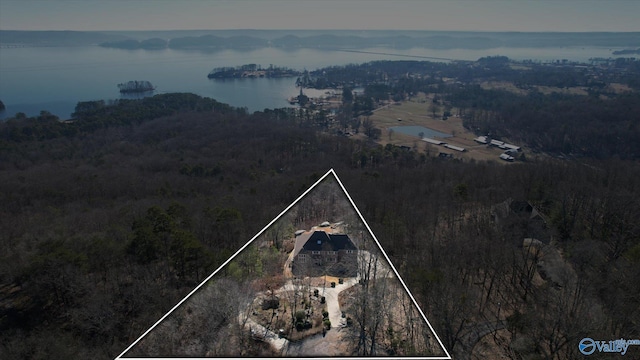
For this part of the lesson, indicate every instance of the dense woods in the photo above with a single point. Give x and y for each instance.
(110, 219)
(89, 116)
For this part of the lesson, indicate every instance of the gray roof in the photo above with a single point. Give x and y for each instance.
(321, 241)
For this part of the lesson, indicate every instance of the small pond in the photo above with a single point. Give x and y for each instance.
(416, 130)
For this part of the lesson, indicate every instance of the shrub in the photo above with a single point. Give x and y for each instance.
(323, 300)
(340, 281)
(300, 315)
(315, 292)
(317, 322)
(327, 324)
(325, 314)
(333, 284)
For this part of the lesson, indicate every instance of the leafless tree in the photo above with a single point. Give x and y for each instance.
(210, 323)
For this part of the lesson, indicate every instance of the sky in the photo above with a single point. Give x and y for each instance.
(463, 15)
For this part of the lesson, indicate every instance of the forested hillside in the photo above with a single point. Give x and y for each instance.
(106, 226)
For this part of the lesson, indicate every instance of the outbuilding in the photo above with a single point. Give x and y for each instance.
(433, 141)
(506, 157)
(456, 148)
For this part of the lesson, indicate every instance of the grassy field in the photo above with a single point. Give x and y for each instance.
(417, 112)
(504, 85)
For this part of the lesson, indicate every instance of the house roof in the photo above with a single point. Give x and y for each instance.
(322, 241)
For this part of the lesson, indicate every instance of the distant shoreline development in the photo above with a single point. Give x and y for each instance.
(399, 55)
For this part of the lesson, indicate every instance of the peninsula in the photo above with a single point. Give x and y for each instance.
(251, 71)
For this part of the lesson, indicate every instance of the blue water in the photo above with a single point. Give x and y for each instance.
(56, 78)
(416, 130)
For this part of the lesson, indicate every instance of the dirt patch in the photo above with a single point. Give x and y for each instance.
(305, 307)
(569, 91)
(335, 342)
(619, 88)
(324, 281)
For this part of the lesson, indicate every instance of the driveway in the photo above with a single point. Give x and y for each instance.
(329, 344)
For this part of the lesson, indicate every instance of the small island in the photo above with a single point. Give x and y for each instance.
(251, 71)
(135, 87)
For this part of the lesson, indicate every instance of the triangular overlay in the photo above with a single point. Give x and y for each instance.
(314, 282)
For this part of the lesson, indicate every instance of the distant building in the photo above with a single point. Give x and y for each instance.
(318, 253)
(497, 143)
(456, 148)
(506, 157)
(510, 147)
(433, 141)
(527, 213)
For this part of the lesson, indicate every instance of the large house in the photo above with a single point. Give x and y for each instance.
(318, 253)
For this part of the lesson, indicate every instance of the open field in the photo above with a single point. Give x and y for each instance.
(416, 112)
(574, 90)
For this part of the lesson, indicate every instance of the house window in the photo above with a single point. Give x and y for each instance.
(315, 252)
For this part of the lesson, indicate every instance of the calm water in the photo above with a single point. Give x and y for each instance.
(417, 130)
(56, 78)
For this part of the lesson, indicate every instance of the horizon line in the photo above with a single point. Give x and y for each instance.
(298, 29)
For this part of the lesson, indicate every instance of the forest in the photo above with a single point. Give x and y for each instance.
(109, 219)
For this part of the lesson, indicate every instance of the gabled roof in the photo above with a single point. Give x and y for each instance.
(322, 241)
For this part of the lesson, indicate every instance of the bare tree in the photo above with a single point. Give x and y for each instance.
(372, 307)
(218, 313)
(368, 127)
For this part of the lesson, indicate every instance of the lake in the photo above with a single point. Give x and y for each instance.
(56, 78)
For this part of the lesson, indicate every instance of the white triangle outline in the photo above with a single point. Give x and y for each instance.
(330, 172)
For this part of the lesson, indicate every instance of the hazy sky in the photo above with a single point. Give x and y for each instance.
(482, 15)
